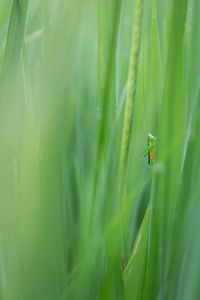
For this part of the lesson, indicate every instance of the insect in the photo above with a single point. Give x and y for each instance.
(149, 151)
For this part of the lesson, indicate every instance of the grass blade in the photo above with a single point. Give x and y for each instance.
(14, 41)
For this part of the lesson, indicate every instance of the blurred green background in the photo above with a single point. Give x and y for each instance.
(82, 83)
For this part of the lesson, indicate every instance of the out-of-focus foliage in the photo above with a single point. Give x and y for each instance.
(70, 226)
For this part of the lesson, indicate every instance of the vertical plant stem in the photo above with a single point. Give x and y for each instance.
(14, 41)
(106, 94)
(131, 85)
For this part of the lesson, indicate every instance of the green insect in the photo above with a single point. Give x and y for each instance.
(149, 151)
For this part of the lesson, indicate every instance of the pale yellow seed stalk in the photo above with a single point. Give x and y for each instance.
(131, 84)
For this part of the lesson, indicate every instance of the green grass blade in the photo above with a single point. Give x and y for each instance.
(134, 274)
(14, 41)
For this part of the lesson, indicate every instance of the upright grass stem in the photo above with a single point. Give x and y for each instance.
(106, 93)
(131, 85)
(128, 112)
(14, 41)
